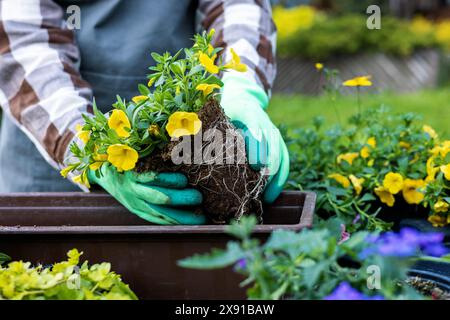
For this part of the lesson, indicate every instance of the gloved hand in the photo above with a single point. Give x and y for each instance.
(151, 195)
(245, 102)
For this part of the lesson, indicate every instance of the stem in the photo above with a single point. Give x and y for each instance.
(359, 99)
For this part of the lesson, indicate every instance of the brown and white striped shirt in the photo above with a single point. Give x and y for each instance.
(42, 90)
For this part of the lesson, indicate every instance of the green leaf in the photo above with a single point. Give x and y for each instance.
(218, 258)
(143, 89)
(4, 258)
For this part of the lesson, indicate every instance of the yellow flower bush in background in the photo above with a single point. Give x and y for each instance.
(291, 20)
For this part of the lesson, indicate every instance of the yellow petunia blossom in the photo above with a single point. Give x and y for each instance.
(365, 152)
(393, 182)
(441, 206)
(342, 180)
(430, 131)
(349, 157)
(372, 141)
(208, 63)
(404, 145)
(235, 62)
(319, 66)
(207, 88)
(411, 191)
(118, 121)
(442, 149)
(437, 221)
(64, 172)
(385, 196)
(363, 81)
(183, 124)
(446, 171)
(83, 135)
(139, 99)
(99, 159)
(357, 183)
(123, 157)
(82, 179)
(210, 51)
(431, 170)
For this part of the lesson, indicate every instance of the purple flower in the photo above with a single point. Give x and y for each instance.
(408, 242)
(344, 291)
(241, 264)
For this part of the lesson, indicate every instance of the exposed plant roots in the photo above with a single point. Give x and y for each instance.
(219, 168)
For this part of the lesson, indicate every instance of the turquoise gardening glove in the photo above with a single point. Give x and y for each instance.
(151, 195)
(245, 102)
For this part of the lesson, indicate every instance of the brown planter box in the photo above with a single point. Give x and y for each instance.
(42, 227)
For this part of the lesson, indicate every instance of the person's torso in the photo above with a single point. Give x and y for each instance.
(115, 39)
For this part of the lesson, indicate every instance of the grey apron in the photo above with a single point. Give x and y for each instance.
(115, 41)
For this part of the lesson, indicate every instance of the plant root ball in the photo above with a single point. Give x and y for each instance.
(215, 163)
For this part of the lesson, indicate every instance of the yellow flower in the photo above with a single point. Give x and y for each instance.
(99, 159)
(84, 135)
(210, 51)
(211, 32)
(154, 130)
(343, 181)
(82, 179)
(446, 171)
(151, 81)
(123, 157)
(443, 33)
(404, 145)
(430, 131)
(139, 99)
(363, 81)
(371, 162)
(443, 149)
(208, 63)
(437, 221)
(64, 172)
(236, 63)
(441, 206)
(349, 157)
(365, 152)
(319, 66)
(291, 20)
(357, 183)
(118, 121)
(207, 88)
(183, 123)
(431, 170)
(372, 141)
(411, 191)
(393, 182)
(385, 196)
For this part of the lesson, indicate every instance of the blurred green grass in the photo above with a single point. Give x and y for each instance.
(299, 110)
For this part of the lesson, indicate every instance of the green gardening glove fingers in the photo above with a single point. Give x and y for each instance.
(152, 196)
(245, 102)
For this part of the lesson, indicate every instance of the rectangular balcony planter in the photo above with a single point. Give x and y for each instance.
(42, 227)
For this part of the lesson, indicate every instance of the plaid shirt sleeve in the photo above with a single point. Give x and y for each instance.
(248, 28)
(40, 86)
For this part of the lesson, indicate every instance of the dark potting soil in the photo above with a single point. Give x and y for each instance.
(428, 288)
(219, 169)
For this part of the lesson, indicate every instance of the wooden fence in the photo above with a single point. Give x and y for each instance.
(421, 70)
